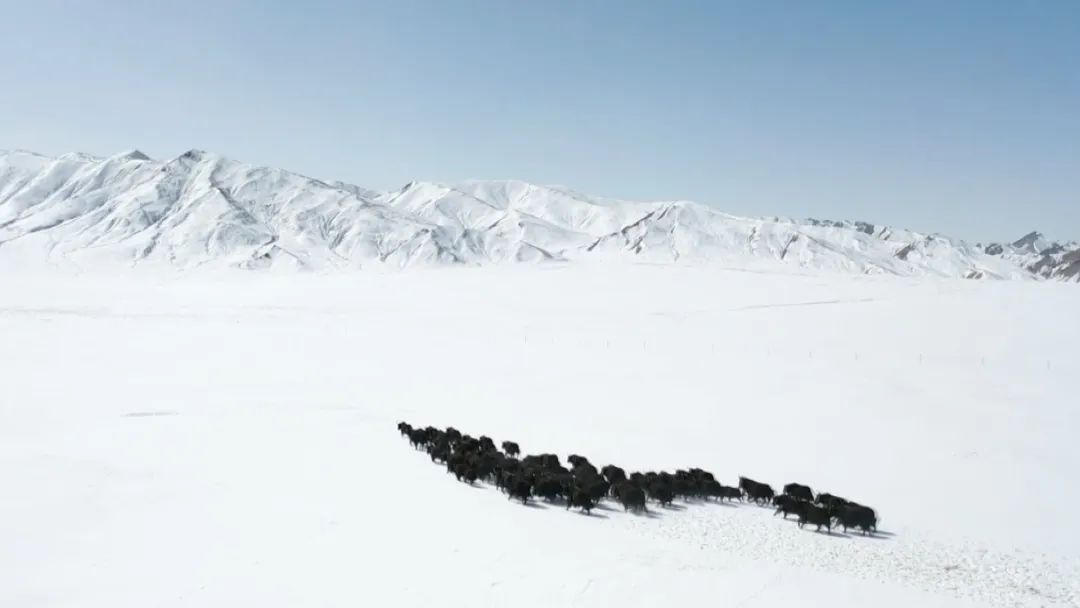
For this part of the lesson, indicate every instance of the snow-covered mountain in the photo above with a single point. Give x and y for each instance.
(1043, 258)
(201, 209)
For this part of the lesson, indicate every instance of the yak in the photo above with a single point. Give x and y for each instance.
(815, 515)
(799, 491)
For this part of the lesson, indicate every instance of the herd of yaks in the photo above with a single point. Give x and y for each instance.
(582, 486)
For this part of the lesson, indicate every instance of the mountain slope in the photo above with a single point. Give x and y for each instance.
(1043, 258)
(201, 209)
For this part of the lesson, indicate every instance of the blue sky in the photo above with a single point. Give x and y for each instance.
(958, 117)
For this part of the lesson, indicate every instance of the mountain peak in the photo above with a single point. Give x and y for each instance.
(132, 154)
(194, 155)
(129, 155)
(1033, 242)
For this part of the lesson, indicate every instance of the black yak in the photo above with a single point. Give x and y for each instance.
(631, 497)
(418, 438)
(799, 491)
(661, 492)
(830, 502)
(756, 491)
(815, 515)
(613, 474)
(580, 498)
(548, 488)
(576, 460)
(519, 488)
(854, 515)
(788, 505)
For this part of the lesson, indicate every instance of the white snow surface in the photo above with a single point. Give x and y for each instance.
(202, 210)
(228, 439)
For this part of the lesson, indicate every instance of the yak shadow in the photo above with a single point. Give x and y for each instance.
(596, 515)
(673, 507)
(830, 534)
(648, 514)
(603, 507)
(729, 505)
(532, 504)
(873, 535)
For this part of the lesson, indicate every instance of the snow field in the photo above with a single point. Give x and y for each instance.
(229, 440)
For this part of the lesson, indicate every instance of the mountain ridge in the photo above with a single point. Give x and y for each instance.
(202, 209)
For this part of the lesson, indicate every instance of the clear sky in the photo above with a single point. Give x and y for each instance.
(951, 116)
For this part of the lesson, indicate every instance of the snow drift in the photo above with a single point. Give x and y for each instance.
(201, 209)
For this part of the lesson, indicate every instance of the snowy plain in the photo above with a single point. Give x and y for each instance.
(228, 439)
